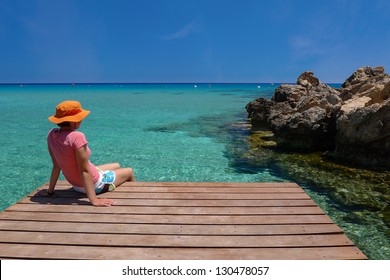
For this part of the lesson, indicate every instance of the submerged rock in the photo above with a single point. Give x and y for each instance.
(352, 122)
(355, 198)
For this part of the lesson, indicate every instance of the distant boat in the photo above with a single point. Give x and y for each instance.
(258, 86)
(195, 86)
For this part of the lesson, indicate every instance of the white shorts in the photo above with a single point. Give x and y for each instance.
(104, 184)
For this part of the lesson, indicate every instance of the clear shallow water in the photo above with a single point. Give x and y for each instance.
(167, 132)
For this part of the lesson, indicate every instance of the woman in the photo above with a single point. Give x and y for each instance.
(70, 154)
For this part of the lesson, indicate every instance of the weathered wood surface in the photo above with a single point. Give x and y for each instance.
(166, 220)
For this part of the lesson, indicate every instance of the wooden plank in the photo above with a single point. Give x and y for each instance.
(99, 239)
(25, 251)
(177, 202)
(168, 210)
(66, 185)
(212, 184)
(209, 190)
(168, 229)
(166, 219)
(196, 187)
(182, 195)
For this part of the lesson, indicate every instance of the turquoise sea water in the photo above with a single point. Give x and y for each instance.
(166, 132)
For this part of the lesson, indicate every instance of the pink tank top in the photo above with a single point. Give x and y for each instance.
(64, 146)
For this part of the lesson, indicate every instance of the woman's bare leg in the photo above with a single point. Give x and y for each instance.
(123, 175)
(109, 166)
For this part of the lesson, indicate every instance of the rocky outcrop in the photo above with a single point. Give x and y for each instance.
(363, 123)
(353, 122)
(302, 116)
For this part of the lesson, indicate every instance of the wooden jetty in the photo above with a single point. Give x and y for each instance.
(173, 220)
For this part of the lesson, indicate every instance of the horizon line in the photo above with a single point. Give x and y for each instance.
(128, 83)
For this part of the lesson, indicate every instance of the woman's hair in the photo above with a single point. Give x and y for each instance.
(64, 124)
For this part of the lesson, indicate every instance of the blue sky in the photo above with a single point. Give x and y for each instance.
(190, 41)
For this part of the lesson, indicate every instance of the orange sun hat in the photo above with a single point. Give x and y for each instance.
(69, 111)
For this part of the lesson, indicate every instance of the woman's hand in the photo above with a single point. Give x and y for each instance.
(103, 202)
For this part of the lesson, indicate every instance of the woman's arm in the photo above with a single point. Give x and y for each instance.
(55, 173)
(86, 177)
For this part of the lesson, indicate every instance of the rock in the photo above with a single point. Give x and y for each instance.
(363, 123)
(362, 80)
(261, 139)
(301, 116)
(259, 111)
(307, 80)
(352, 122)
(363, 136)
(290, 93)
(308, 130)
